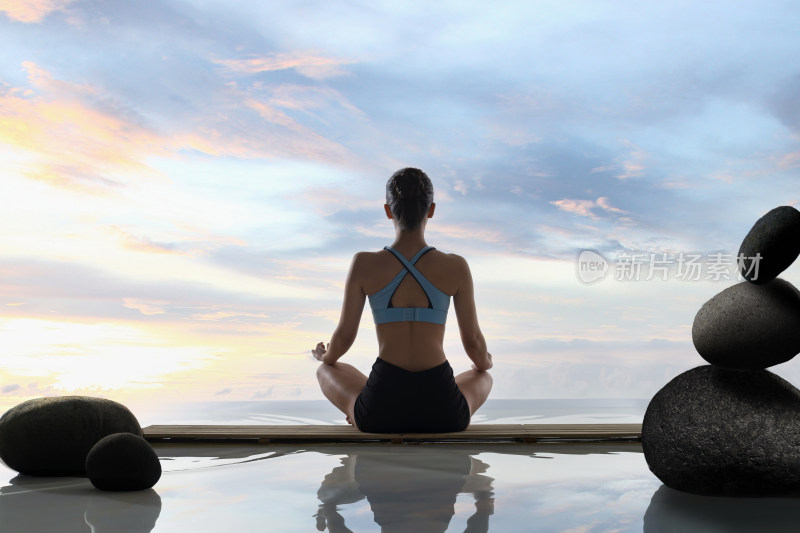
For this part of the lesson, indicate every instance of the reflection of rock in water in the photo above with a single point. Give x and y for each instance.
(123, 512)
(673, 511)
(35, 505)
(409, 490)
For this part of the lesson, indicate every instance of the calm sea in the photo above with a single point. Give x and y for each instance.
(595, 410)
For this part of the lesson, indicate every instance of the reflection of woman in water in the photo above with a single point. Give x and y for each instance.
(411, 491)
(411, 387)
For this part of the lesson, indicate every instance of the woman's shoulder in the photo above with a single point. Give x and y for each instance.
(448, 271)
(367, 256)
(369, 260)
(449, 261)
(452, 260)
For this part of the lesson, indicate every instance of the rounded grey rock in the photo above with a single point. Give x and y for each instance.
(123, 461)
(749, 326)
(52, 436)
(725, 432)
(775, 237)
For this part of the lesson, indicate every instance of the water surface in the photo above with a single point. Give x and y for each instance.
(565, 487)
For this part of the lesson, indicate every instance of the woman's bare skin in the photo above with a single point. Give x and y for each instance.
(413, 346)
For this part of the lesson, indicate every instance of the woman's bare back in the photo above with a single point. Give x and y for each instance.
(413, 346)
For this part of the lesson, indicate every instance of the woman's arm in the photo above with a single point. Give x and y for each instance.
(467, 315)
(345, 333)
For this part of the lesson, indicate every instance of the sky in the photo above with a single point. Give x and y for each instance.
(184, 183)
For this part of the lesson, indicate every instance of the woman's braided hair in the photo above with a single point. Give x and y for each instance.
(409, 193)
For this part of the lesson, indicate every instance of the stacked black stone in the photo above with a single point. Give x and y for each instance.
(56, 436)
(732, 428)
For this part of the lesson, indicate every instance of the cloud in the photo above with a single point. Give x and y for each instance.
(145, 307)
(579, 207)
(789, 161)
(143, 244)
(81, 137)
(32, 10)
(628, 166)
(783, 103)
(192, 154)
(633, 165)
(299, 140)
(327, 201)
(97, 355)
(10, 388)
(475, 232)
(310, 64)
(70, 142)
(260, 395)
(586, 208)
(309, 98)
(604, 204)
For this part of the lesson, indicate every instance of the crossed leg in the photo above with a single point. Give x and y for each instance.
(341, 384)
(475, 386)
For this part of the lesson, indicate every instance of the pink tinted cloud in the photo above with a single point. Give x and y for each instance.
(190, 241)
(604, 204)
(75, 135)
(329, 200)
(633, 166)
(579, 207)
(588, 208)
(309, 64)
(145, 307)
(143, 244)
(72, 143)
(302, 141)
(308, 98)
(469, 232)
(789, 161)
(31, 10)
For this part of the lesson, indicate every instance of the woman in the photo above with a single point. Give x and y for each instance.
(411, 387)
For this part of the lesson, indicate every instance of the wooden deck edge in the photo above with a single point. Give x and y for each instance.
(318, 434)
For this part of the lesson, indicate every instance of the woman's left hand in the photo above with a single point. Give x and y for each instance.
(320, 351)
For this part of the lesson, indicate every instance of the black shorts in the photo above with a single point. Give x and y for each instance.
(395, 400)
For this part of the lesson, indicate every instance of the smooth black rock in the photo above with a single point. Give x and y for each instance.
(749, 326)
(725, 432)
(776, 237)
(123, 461)
(52, 436)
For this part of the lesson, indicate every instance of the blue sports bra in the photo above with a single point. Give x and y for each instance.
(381, 301)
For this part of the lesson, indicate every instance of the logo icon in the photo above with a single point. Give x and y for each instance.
(591, 266)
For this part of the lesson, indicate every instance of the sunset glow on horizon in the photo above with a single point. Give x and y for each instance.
(185, 182)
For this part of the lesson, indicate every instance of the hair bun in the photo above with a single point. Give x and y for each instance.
(408, 186)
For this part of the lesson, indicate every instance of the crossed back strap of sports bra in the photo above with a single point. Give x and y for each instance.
(381, 301)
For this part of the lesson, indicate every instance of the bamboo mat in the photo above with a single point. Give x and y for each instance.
(527, 433)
